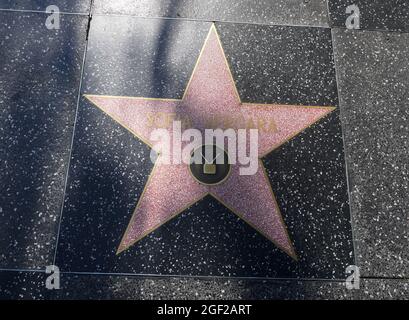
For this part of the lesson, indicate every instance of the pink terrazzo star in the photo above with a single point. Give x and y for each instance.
(211, 93)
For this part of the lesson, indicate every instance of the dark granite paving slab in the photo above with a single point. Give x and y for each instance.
(142, 57)
(287, 12)
(104, 287)
(373, 73)
(30, 285)
(281, 64)
(390, 15)
(39, 84)
(23, 285)
(73, 6)
(154, 58)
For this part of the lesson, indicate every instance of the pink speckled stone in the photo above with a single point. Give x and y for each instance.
(210, 94)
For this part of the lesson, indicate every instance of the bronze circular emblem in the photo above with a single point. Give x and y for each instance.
(210, 165)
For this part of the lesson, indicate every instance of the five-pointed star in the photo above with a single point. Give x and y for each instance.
(211, 93)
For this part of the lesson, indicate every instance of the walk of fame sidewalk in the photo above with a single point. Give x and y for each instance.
(78, 189)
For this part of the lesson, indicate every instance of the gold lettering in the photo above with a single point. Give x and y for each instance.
(170, 117)
(250, 124)
(261, 124)
(151, 120)
(273, 126)
(186, 122)
(229, 123)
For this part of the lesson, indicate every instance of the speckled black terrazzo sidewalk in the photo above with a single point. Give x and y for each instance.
(71, 175)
